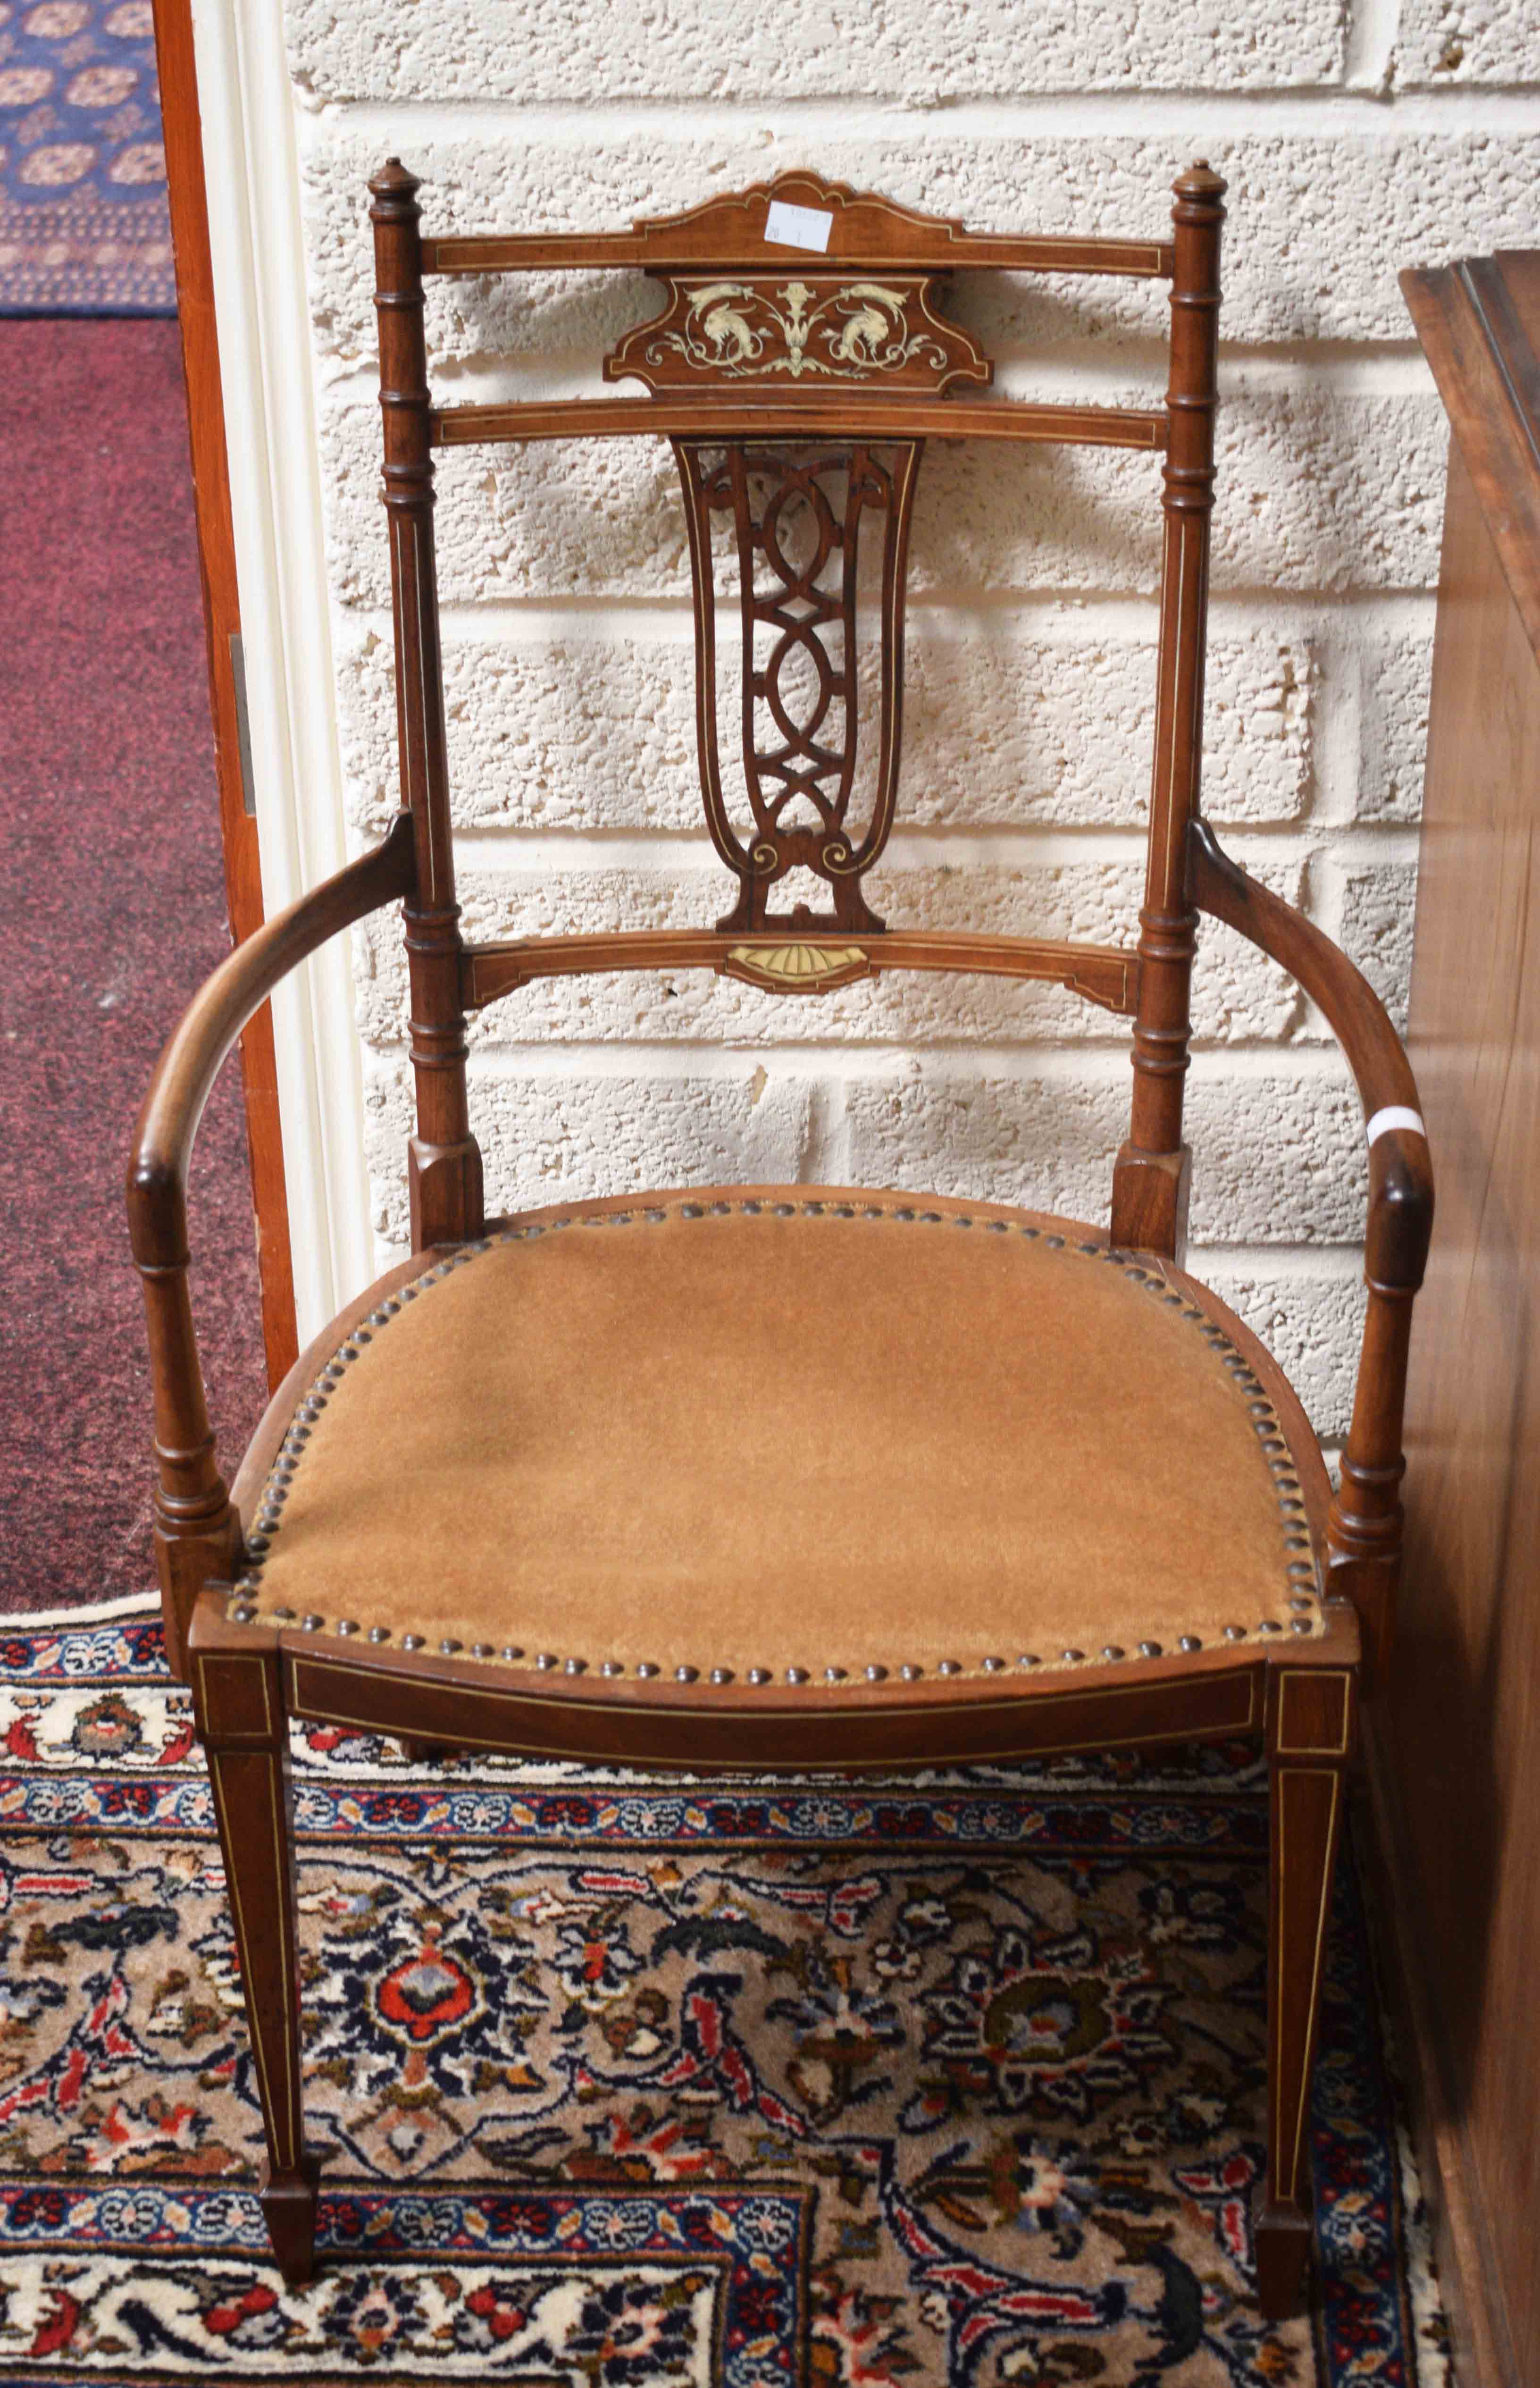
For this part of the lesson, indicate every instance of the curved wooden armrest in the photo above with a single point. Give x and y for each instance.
(197, 1533)
(1400, 1167)
(1364, 1528)
(190, 1063)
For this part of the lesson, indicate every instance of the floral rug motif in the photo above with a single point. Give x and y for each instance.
(624, 2082)
(83, 224)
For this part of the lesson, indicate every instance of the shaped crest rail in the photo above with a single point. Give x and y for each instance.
(736, 232)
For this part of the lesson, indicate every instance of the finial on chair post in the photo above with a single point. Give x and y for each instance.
(393, 181)
(443, 1162)
(395, 214)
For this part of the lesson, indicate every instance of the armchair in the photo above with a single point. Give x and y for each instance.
(1034, 1487)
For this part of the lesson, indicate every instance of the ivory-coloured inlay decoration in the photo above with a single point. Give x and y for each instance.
(804, 968)
(803, 329)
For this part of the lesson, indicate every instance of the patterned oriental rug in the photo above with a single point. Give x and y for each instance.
(625, 2083)
(84, 228)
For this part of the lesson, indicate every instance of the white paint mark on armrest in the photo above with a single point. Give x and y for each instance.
(1395, 1116)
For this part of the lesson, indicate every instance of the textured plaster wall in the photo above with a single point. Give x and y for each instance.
(1358, 136)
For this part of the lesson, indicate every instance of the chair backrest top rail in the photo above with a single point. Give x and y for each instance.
(811, 958)
(450, 254)
(898, 415)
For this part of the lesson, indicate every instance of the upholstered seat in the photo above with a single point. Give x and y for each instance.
(747, 1434)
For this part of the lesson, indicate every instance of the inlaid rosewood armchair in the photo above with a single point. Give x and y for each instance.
(1032, 1488)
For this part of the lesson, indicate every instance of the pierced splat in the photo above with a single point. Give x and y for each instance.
(746, 318)
(796, 521)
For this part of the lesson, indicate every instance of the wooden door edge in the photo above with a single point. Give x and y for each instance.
(1481, 2340)
(182, 130)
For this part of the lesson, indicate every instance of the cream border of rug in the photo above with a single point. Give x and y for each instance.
(90, 1612)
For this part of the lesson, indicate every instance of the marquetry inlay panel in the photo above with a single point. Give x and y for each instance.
(839, 331)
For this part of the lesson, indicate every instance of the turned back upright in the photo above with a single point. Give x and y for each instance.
(799, 364)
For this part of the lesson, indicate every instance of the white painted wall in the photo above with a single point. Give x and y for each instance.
(1356, 137)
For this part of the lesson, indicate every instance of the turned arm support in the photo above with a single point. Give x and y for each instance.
(195, 1528)
(1364, 1528)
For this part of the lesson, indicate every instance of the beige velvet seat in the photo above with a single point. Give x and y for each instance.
(787, 1435)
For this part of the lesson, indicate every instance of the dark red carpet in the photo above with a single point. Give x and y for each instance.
(113, 909)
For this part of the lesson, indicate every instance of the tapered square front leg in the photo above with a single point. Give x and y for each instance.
(1310, 1726)
(237, 1697)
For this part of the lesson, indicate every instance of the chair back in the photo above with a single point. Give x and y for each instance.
(800, 361)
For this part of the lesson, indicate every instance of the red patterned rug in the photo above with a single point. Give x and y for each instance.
(622, 2080)
(109, 821)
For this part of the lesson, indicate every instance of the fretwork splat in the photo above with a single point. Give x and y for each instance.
(796, 522)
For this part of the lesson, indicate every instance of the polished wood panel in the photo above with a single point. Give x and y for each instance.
(1459, 1757)
(182, 133)
(1476, 321)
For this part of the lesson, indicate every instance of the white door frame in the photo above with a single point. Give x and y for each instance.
(263, 320)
